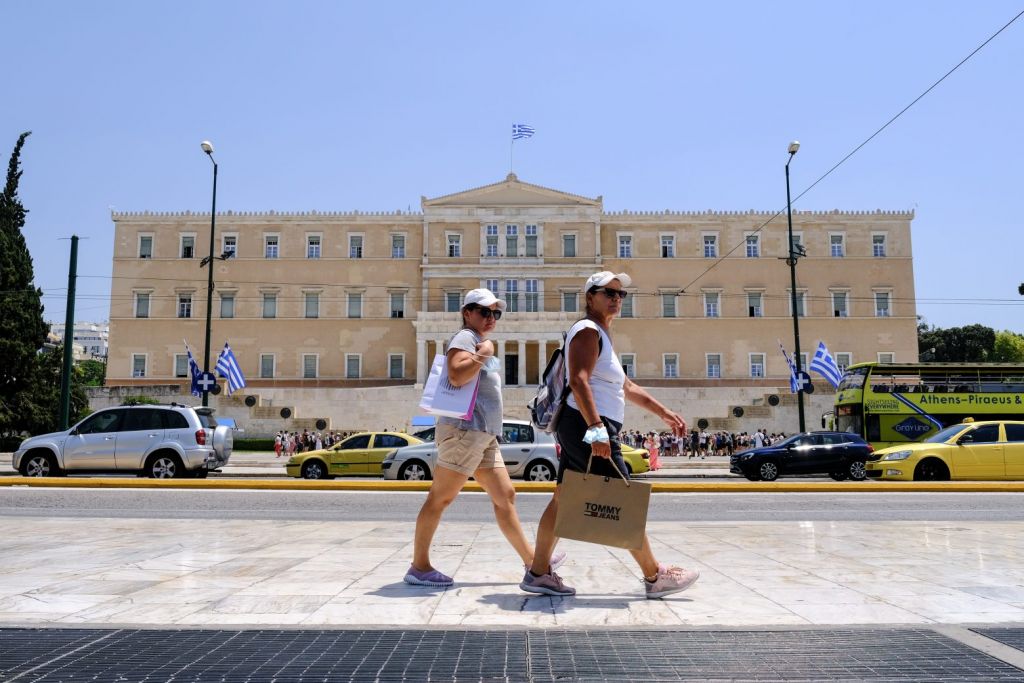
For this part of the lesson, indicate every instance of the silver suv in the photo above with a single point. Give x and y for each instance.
(159, 441)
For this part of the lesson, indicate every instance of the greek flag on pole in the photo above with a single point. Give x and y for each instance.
(521, 130)
(193, 372)
(794, 386)
(227, 366)
(825, 365)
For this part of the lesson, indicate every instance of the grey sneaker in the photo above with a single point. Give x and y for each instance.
(557, 560)
(670, 580)
(430, 577)
(546, 584)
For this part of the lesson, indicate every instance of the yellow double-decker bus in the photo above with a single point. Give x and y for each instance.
(895, 403)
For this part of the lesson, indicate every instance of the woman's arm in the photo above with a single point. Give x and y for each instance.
(638, 395)
(463, 366)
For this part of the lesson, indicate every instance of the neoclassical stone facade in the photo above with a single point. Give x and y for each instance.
(332, 301)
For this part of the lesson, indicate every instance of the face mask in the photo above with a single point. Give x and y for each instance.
(492, 364)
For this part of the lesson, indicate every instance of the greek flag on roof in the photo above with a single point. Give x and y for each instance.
(227, 366)
(825, 365)
(521, 130)
(794, 386)
(193, 372)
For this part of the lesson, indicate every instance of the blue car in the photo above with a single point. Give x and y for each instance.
(840, 455)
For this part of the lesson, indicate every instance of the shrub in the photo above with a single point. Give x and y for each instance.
(254, 445)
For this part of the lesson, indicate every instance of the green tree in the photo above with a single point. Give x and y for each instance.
(1009, 347)
(94, 373)
(22, 328)
(968, 344)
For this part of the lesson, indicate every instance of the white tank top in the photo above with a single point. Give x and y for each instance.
(606, 380)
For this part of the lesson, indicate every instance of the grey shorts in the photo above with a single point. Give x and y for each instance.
(466, 451)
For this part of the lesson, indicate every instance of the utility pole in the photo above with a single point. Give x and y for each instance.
(793, 256)
(69, 339)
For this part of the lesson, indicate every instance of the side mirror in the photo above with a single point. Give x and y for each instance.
(789, 446)
(74, 432)
(966, 438)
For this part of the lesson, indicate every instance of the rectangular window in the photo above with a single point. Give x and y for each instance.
(229, 245)
(396, 366)
(839, 309)
(668, 246)
(270, 246)
(184, 305)
(353, 365)
(491, 241)
(801, 309)
(711, 304)
(710, 246)
(569, 246)
(531, 241)
(797, 245)
(188, 246)
(452, 301)
(757, 365)
(310, 365)
(145, 246)
(714, 365)
(355, 305)
(227, 305)
(836, 246)
(668, 305)
(882, 305)
(141, 305)
(180, 365)
(267, 365)
(313, 246)
(627, 307)
(511, 240)
(754, 307)
(569, 302)
(878, 246)
(397, 304)
(454, 246)
(269, 305)
(491, 285)
(355, 246)
(628, 362)
(312, 305)
(398, 246)
(753, 246)
(844, 360)
(138, 365)
(886, 357)
(670, 365)
(512, 295)
(532, 296)
(625, 246)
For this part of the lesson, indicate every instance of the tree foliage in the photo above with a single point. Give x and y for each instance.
(1009, 347)
(968, 344)
(93, 373)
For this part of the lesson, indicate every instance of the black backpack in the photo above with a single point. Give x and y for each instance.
(553, 392)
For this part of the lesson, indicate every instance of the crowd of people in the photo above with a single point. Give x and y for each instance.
(698, 443)
(290, 443)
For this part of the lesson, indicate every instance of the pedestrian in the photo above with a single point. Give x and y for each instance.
(651, 444)
(277, 445)
(588, 429)
(470, 447)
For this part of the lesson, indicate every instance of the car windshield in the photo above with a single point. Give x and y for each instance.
(853, 379)
(945, 434)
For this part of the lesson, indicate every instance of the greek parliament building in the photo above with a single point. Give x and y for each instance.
(336, 317)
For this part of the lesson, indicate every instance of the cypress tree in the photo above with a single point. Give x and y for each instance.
(22, 328)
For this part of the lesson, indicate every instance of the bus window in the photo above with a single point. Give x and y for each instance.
(853, 379)
(874, 428)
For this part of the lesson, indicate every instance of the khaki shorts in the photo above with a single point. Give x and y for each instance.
(466, 451)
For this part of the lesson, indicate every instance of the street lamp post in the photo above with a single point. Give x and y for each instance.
(208, 148)
(794, 254)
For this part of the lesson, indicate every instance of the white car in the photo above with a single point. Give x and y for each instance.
(529, 453)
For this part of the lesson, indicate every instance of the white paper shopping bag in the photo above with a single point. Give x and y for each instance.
(441, 397)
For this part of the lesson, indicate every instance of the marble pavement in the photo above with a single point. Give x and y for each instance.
(60, 571)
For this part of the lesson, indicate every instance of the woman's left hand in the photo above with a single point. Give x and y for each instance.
(675, 422)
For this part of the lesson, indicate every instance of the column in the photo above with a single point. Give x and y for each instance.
(500, 345)
(542, 359)
(421, 360)
(522, 363)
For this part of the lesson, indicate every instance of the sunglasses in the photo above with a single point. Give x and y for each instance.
(612, 293)
(486, 312)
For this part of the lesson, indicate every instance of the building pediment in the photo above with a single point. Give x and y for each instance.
(510, 192)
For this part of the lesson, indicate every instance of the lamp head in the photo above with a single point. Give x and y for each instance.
(207, 146)
(794, 146)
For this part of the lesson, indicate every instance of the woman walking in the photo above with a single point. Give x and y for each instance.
(589, 425)
(470, 447)
(652, 443)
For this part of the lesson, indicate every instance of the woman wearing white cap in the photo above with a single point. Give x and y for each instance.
(470, 447)
(589, 424)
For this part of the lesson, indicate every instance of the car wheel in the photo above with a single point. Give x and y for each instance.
(165, 467)
(538, 470)
(314, 469)
(768, 471)
(414, 470)
(39, 465)
(857, 471)
(931, 469)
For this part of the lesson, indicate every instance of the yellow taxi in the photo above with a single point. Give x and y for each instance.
(637, 459)
(359, 455)
(993, 449)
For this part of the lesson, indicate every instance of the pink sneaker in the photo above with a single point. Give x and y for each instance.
(557, 560)
(670, 580)
(546, 584)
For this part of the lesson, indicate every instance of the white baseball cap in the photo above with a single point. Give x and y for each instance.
(604, 277)
(483, 297)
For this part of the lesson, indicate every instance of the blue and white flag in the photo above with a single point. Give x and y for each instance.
(825, 365)
(227, 366)
(521, 130)
(794, 385)
(193, 372)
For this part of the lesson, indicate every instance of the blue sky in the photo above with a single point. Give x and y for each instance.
(674, 105)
